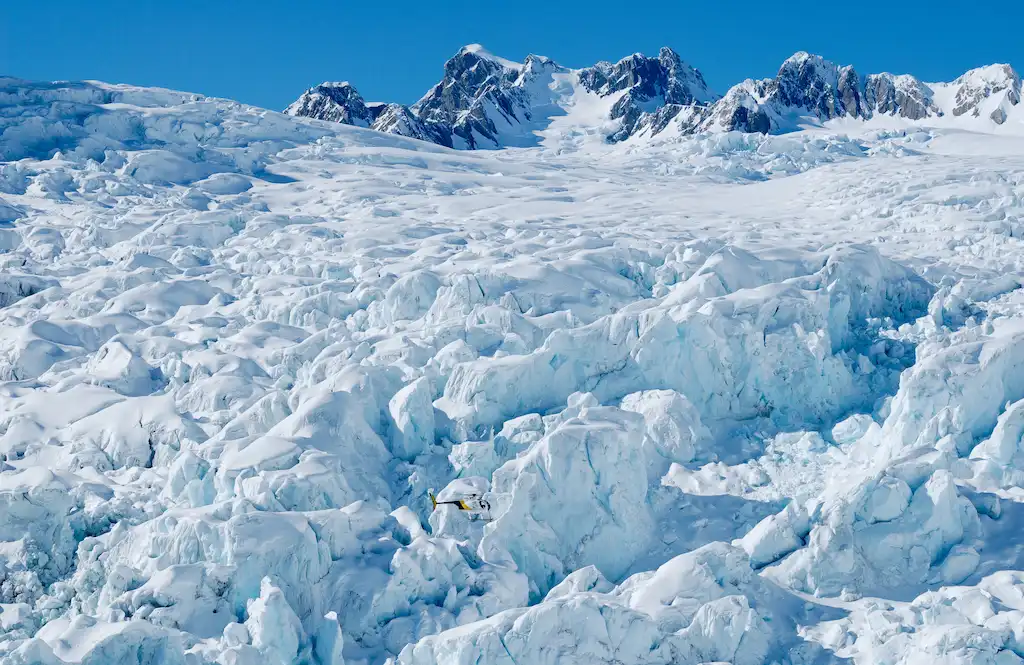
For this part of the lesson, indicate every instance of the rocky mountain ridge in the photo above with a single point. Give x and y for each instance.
(809, 88)
(484, 101)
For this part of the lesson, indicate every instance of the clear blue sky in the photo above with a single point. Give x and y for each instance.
(266, 53)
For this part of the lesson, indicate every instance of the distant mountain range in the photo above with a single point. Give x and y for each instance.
(485, 101)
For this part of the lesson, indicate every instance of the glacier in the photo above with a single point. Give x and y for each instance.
(728, 396)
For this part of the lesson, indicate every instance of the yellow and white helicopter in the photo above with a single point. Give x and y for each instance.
(465, 495)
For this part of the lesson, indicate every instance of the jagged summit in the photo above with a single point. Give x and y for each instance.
(653, 89)
(335, 101)
(486, 101)
(478, 94)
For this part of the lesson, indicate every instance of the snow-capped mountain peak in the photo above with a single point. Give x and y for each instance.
(666, 78)
(898, 95)
(334, 101)
(808, 81)
(534, 66)
(993, 89)
(482, 53)
(481, 102)
(653, 89)
(685, 84)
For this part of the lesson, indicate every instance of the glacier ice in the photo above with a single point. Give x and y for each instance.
(728, 397)
(576, 497)
(704, 606)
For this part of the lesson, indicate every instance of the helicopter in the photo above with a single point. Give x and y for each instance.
(466, 496)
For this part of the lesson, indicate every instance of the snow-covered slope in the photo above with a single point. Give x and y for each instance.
(728, 397)
(485, 101)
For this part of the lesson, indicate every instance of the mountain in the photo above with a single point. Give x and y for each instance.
(485, 101)
(341, 102)
(401, 120)
(337, 102)
(990, 90)
(649, 86)
(810, 89)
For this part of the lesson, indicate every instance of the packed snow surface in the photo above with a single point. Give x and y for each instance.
(728, 397)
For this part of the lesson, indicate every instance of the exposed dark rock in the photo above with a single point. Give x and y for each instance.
(336, 102)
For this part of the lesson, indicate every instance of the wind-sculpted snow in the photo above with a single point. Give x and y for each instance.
(720, 398)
